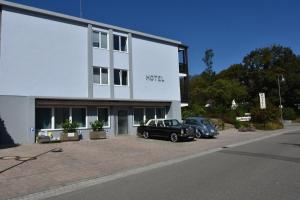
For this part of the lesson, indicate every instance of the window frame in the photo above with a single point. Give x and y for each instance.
(120, 77)
(100, 74)
(108, 111)
(119, 41)
(99, 38)
(86, 116)
(70, 117)
(144, 114)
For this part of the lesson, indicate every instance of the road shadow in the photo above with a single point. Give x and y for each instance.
(291, 144)
(262, 155)
(6, 141)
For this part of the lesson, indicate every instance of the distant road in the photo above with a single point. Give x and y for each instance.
(266, 170)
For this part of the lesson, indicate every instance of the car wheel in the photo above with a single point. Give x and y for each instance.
(174, 137)
(198, 134)
(146, 135)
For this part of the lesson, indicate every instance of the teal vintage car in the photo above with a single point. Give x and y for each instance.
(203, 127)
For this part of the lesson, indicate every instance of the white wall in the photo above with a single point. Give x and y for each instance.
(42, 57)
(100, 57)
(152, 58)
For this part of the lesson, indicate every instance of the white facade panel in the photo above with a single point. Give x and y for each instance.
(121, 92)
(121, 60)
(42, 57)
(101, 91)
(100, 57)
(155, 69)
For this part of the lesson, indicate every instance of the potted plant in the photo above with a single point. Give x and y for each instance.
(69, 131)
(98, 132)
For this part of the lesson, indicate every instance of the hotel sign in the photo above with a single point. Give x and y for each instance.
(155, 78)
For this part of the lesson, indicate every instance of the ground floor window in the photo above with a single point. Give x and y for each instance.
(144, 114)
(79, 116)
(138, 114)
(53, 118)
(43, 118)
(160, 113)
(103, 115)
(150, 114)
(60, 116)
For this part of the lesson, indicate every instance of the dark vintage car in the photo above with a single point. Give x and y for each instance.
(203, 127)
(166, 128)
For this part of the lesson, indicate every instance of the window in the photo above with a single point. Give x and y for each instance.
(103, 116)
(104, 76)
(160, 113)
(120, 77)
(79, 116)
(124, 77)
(152, 123)
(103, 40)
(100, 75)
(95, 39)
(116, 42)
(43, 118)
(97, 42)
(61, 115)
(120, 43)
(123, 43)
(138, 116)
(150, 113)
(145, 114)
(160, 124)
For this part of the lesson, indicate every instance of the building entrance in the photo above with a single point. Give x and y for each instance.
(122, 122)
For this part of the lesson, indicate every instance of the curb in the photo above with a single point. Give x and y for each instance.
(100, 180)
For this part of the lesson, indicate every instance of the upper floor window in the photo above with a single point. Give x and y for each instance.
(100, 75)
(120, 43)
(100, 39)
(120, 77)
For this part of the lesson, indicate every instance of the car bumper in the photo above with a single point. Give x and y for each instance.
(189, 136)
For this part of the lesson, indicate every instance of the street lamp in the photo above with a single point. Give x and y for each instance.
(279, 93)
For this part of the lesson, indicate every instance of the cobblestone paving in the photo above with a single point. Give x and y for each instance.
(89, 159)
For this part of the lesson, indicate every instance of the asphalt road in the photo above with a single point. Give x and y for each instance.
(267, 169)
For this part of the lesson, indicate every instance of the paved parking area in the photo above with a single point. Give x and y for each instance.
(89, 159)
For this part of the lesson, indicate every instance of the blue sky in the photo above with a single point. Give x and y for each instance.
(232, 28)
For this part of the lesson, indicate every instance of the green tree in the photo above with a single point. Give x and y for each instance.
(208, 74)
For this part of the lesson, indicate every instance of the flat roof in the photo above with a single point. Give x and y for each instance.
(85, 21)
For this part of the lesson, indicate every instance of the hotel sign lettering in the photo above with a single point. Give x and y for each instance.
(155, 78)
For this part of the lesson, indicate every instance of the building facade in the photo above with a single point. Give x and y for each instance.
(55, 67)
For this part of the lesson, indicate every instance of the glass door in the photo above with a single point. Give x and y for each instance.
(122, 122)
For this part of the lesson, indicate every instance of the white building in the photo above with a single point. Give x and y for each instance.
(55, 67)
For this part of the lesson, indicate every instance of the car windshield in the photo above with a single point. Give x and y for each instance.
(172, 122)
(206, 122)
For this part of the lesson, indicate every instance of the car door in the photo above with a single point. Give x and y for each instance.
(160, 129)
(151, 128)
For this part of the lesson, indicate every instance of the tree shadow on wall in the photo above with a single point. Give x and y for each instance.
(6, 140)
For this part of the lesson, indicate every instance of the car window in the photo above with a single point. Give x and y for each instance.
(187, 121)
(160, 124)
(194, 122)
(172, 122)
(152, 123)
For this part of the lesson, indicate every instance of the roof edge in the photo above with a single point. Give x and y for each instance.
(85, 21)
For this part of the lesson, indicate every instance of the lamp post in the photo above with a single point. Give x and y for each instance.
(279, 93)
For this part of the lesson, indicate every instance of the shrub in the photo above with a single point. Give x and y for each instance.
(97, 125)
(289, 114)
(271, 114)
(237, 124)
(269, 125)
(192, 111)
(69, 126)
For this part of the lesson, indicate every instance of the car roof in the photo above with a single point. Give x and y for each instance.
(196, 118)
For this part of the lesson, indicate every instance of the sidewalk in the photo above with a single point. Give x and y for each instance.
(89, 159)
